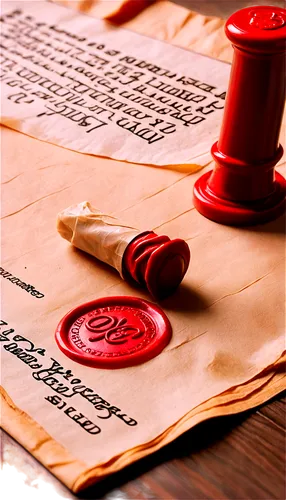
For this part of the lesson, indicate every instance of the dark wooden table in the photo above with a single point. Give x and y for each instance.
(238, 457)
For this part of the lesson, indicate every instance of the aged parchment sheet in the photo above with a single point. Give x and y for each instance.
(86, 85)
(226, 353)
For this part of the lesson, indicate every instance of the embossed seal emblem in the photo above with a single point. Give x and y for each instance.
(114, 332)
(266, 19)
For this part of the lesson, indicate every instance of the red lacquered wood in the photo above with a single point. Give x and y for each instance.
(243, 188)
(156, 262)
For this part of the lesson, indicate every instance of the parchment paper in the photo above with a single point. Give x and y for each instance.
(92, 87)
(227, 316)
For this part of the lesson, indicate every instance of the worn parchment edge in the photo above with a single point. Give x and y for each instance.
(76, 475)
(193, 165)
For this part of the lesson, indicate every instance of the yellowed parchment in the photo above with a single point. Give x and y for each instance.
(227, 317)
(87, 85)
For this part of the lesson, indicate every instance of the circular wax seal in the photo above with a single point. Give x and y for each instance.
(114, 332)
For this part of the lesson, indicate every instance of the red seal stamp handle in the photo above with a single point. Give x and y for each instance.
(243, 188)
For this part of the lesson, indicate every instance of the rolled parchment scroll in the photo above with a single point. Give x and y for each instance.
(153, 261)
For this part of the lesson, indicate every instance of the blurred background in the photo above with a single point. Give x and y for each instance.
(223, 8)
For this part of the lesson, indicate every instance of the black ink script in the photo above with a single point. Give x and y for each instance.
(92, 85)
(16, 281)
(55, 376)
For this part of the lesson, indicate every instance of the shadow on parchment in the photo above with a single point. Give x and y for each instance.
(185, 299)
(99, 268)
(277, 226)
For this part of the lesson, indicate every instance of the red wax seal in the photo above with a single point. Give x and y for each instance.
(114, 332)
(156, 262)
(243, 188)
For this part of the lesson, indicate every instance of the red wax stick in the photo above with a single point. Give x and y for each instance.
(243, 188)
(156, 262)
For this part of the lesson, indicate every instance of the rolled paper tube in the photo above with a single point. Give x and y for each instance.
(152, 261)
(96, 233)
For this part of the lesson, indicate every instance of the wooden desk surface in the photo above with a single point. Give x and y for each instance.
(239, 457)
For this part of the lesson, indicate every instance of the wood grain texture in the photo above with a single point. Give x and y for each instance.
(275, 412)
(239, 457)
